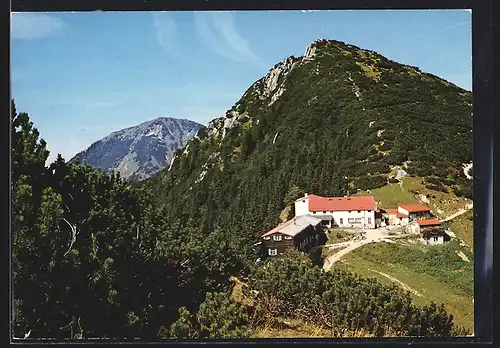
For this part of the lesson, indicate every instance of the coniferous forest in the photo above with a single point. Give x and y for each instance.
(96, 256)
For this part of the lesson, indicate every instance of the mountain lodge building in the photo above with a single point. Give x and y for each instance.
(301, 233)
(344, 212)
(313, 214)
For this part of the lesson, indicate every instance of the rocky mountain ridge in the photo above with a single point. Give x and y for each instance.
(336, 121)
(140, 151)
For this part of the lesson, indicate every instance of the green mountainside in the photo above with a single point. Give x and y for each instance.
(94, 257)
(335, 121)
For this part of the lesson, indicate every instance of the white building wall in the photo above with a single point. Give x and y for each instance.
(396, 221)
(431, 241)
(302, 207)
(367, 217)
(403, 211)
(404, 221)
(342, 218)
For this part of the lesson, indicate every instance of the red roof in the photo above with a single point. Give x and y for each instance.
(317, 203)
(396, 212)
(306, 197)
(413, 208)
(428, 222)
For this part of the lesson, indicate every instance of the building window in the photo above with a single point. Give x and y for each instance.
(341, 221)
(349, 211)
(358, 220)
(277, 238)
(369, 220)
(369, 211)
(288, 237)
(272, 252)
(350, 220)
(436, 239)
(267, 238)
(359, 211)
(324, 212)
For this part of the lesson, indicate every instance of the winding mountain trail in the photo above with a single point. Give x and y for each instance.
(371, 236)
(458, 213)
(374, 236)
(403, 285)
(331, 260)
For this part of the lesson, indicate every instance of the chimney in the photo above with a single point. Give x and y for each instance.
(306, 194)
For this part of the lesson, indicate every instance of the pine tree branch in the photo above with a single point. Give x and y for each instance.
(72, 236)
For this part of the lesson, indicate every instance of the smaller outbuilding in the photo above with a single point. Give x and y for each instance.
(431, 232)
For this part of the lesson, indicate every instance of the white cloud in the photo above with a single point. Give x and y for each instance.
(166, 31)
(218, 33)
(32, 26)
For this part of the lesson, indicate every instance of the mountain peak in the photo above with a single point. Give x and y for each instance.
(311, 48)
(139, 151)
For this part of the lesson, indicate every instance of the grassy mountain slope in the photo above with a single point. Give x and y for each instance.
(332, 122)
(431, 273)
(444, 204)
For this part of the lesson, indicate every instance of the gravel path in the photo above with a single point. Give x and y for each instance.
(370, 236)
(403, 285)
(458, 213)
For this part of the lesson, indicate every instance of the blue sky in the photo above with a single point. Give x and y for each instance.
(81, 76)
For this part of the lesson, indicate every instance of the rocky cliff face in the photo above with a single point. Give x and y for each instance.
(140, 151)
(269, 88)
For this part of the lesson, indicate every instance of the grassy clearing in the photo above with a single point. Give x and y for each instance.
(435, 272)
(370, 71)
(463, 227)
(442, 203)
(248, 124)
(391, 195)
(302, 330)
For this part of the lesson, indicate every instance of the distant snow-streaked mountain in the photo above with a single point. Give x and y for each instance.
(140, 151)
